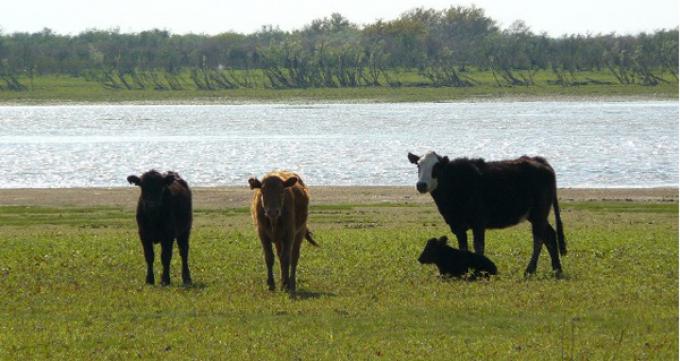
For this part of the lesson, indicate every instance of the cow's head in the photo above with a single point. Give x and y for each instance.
(432, 250)
(153, 185)
(429, 167)
(273, 192)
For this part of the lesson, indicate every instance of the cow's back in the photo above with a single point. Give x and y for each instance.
(511, 188)
(180, 204)
(526, 175)
(299, 199)
(493, 194)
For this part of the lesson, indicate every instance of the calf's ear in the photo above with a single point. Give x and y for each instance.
(254, 183)
(413, 158)
(290, 182)
(168, 179)
(133, 179)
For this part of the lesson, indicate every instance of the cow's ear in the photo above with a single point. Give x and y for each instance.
(444, 160)
(168, 179)
(133, 179)
(290, 182)
(254, 183)
(413, 158)
(475, 170)
(443, 240)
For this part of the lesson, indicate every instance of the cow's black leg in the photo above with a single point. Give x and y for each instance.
(183, 245)
(166, 257)
(294, 257)
(462, 239)
(268, 260)
(478, 240)
(537, 232)
(147, 244)
(284, 260)
(551, 244)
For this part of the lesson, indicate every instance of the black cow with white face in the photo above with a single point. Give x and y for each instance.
(479, 195)
(163, 215)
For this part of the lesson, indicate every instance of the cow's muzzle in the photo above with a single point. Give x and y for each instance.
(272, 214)
(421, 187)
(152, 206)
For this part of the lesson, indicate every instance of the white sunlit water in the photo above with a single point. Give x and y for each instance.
(590, 144)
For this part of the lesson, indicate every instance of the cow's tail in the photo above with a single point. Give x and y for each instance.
(308, 237)
(562, 244)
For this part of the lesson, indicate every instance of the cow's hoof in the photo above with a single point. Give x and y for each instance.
(150, 280)
(558, 274)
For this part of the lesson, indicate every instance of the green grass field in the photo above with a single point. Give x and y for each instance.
(62, 88)
(72, 288)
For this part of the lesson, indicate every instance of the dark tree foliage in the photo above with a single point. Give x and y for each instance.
(441, 45)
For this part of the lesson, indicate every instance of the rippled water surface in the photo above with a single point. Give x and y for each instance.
(590, 144)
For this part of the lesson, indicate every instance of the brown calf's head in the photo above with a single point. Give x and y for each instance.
(153, 185)
(273, 192)
(432, 250)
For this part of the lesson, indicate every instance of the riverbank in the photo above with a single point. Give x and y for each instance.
(63, 89)
(308, 100)
(231, 197)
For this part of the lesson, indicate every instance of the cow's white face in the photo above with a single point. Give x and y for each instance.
(426, 182)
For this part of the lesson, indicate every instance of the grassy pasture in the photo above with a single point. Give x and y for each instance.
(63, 88)
(72, 287)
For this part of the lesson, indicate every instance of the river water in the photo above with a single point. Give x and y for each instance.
(590, 144)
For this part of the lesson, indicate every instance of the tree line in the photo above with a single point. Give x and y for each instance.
(442, 46)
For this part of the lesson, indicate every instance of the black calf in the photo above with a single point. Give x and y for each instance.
(454, 262)
(163, 215)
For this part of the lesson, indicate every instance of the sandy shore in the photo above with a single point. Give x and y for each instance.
(227, 197)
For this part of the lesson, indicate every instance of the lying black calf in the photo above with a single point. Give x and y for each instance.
(454, 262)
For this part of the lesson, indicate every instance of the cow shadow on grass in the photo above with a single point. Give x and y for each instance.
(303, 294)
(549, 276)
(482, 279)
(194, 286)
(468, 278)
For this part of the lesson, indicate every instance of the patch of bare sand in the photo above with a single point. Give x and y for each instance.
(230, 197)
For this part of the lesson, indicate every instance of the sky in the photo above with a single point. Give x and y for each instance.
(215, 16)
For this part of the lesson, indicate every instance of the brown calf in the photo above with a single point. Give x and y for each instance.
(279, 210)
